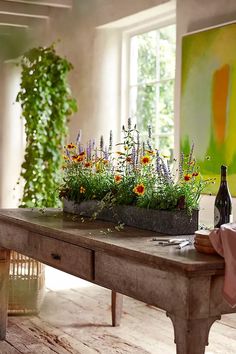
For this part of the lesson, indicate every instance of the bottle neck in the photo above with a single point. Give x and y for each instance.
(223, 175)
(223, 179)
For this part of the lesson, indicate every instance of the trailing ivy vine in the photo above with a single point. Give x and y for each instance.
(46, 103)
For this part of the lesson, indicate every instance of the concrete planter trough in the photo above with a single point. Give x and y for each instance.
(173, 222)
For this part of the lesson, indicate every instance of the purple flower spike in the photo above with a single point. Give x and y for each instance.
(101, 142)
(110, 140)
(67, 153)
(78, 139)
(129, 123)
(106, 156)
(149, 132)
(181, 164)
(93, 144)
(89, 149)
(133, 155)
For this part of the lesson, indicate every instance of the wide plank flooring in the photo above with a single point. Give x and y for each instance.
(75, 319)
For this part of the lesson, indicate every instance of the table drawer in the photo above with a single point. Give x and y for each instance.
(70, 258)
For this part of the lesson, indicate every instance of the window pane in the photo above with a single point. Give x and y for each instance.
(143, 106)
(143, 57)
(166, 144)
(167, 52)
(166, 107)
(151, 90)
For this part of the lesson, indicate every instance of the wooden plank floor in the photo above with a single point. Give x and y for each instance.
(75, 319)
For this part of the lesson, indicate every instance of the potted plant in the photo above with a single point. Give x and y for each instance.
(133, 184)
(46, 103)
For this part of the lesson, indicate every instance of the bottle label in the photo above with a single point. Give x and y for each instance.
(216, 216)
(218, 220)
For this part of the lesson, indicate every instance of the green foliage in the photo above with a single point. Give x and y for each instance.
(46, 103)
(134, 174)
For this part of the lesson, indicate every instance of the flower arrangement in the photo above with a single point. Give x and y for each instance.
(131, 173)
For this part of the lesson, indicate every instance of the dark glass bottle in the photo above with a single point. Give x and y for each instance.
(223, 202)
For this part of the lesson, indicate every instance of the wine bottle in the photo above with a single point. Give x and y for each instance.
(223, 202)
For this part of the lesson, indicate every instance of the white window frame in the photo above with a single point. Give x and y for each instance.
(163, 20)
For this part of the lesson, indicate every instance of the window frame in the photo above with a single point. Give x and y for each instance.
(166, 19)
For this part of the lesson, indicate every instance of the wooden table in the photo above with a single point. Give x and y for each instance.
(184, 283)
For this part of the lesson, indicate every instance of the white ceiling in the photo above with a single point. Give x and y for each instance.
(25, 13)
(19, 17)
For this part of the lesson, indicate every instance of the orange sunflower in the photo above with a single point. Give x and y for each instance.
(145, 160)
(139, 189)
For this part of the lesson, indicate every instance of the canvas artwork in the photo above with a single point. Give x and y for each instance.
(208, 100)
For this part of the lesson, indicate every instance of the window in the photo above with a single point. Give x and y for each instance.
(151, 76)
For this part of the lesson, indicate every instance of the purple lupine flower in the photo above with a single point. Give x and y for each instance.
(67, 153)
(149, 145)
(78, 139)
(101, 142)
(133, 155)
(166, 175)
(158, 164)
(93, 144)
(138, 147)
(181, 164)
(169, 170)
(149, 131)
(80, 148)
(190, 158)
(110, 140)
(129, 123)
(106, 155)
(89, 149)
(144, 148)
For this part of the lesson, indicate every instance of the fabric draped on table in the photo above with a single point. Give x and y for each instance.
(224, 242)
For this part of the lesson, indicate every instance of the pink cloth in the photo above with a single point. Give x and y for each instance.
(224, 242)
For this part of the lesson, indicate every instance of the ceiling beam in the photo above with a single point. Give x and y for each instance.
(52, 3)
(16, 8)
(21, 21)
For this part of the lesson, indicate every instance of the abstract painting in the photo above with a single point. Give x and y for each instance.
(208, 100)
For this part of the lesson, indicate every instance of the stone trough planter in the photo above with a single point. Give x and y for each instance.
(174, 222)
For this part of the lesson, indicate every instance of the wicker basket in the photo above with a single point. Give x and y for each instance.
(27, 285)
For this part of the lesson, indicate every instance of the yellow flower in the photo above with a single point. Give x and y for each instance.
(145, 160)
(139, 189)
(82, 190)
(70, 146)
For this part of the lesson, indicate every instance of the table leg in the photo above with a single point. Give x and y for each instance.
(4, 282)
(191, 336)
(116, 308)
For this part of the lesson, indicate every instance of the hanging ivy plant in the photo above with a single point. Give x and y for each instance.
(46, 103)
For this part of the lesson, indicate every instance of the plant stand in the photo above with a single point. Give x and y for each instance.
(170, 222)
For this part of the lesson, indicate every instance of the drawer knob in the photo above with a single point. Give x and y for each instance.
(56, 256)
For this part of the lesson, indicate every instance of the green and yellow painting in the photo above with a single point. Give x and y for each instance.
(208, 101)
